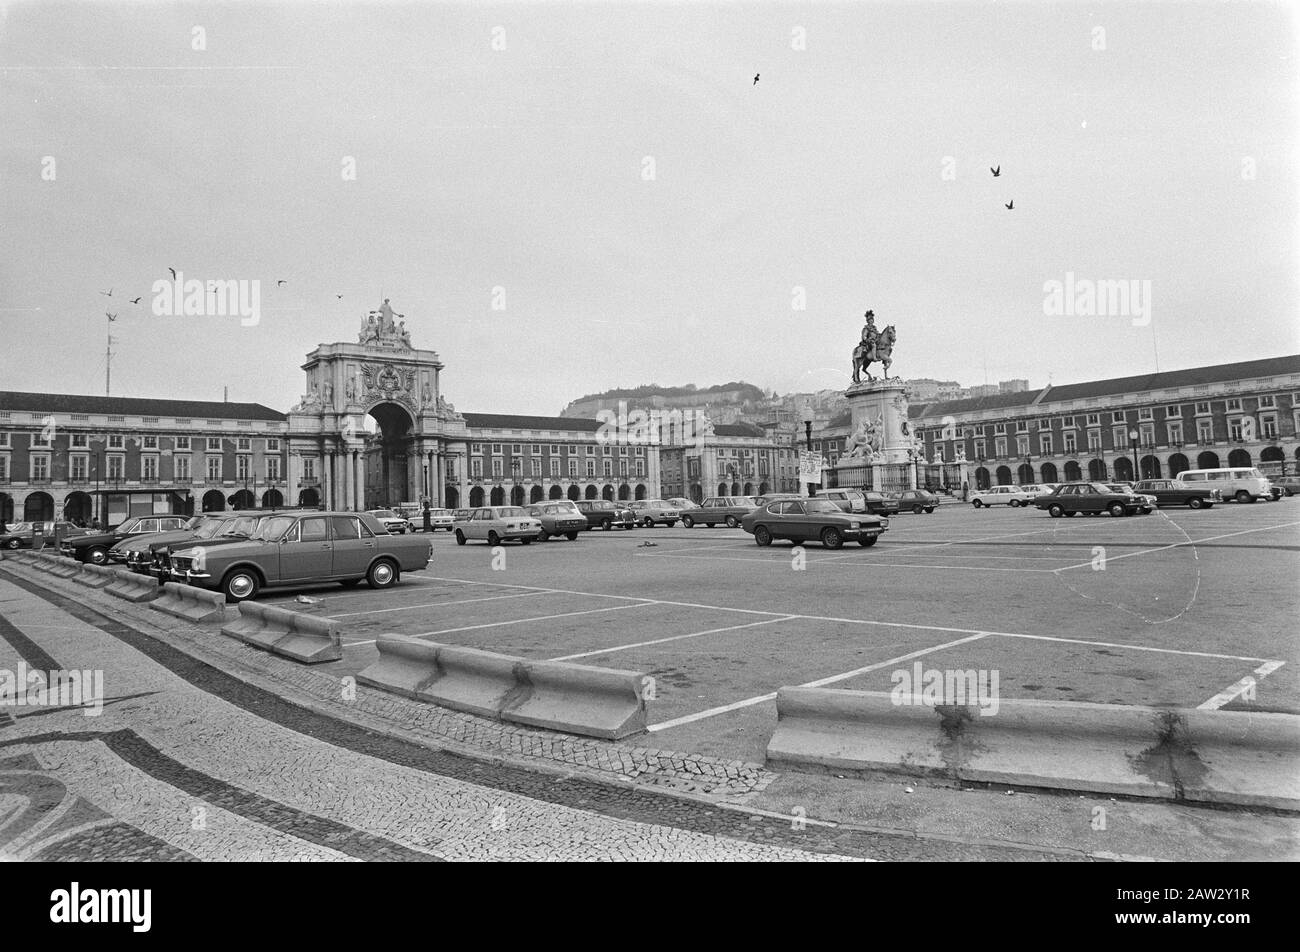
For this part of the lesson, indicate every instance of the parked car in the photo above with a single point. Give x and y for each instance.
(23, 534)
(392, 520)
(1175, 492)
(225, 530)
(1151, 501)
(1035, 490)
(558, 517)
(497, 524)
(303, 549)
(607, 514)
(728, 510)
(862, 500)
(1012, 496)
(135, 552)
(1290, 485)
(1243, 484)
(653, 512)
(438, 519)
(917, 501)
(760, 501)
(94, 547)
(681, 503)
(805, 520)
(1090, 498)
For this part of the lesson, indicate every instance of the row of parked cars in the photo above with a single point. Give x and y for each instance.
(240, 554)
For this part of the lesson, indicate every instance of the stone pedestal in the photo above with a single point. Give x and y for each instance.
(878, 413)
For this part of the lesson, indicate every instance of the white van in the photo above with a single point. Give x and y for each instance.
(1243, 485)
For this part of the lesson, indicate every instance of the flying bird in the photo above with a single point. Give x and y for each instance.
(111, 317)
(108, 293)
(173, 271)
(339, 296)
(996, 172)
(1011, 204)
(135, 300)
(278, 283)
(756, 79)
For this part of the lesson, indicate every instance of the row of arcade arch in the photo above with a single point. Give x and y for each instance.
(1121, 470)
(520, 496)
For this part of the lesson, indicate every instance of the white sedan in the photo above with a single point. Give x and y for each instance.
(1012, 496)
(497, 524)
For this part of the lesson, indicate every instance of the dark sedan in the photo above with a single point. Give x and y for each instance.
(1173, 492)
(607, 514)
(94, 547)
(728, 510)
(805, 520)
(917, 501)
(1090, 498)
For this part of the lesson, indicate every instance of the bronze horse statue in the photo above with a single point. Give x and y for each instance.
(863, 358)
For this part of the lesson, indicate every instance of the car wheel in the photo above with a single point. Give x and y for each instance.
(383, 574)
(762, 536)
(15, 543)
(732, 522)
(571, 536)
(1242, 496)
(867, 540)
(1116, 509)
(525, 541)
(460, 537)
(240, 585)
(918, 509)
(1069, 514)
(98, 555)
(1056, 510)
(831, 538)
(606, 524)
(1146, 510)
(929, 510)
(543, 536)
(494, 539)
(1015, 503)
(688, 522)
(976, 503)
(1196, 502)
(648, 522)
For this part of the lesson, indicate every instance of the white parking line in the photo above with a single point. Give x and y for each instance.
(1112, 644)
(503, 624)
(1234, 691)
(1176, 545)
(833, 564)
(660, 641)
(762, 698)
(460, 601)
(939, 545)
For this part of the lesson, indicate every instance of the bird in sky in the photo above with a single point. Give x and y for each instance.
(756, 75)
(111, 317)
(996, 172)
(1011, 204)
(173, 271)
(278, 283)
(339, 296)
(135, 300)
(108, 293)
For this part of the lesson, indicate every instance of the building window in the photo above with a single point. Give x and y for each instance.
(150, 442)
(1022, 446)
(1205, 431)
(80, 441)
(1147, 434)
(1094, 419)
(1268, 425)
(214, 443)
(148, 467)
(622, 467)
(1022, 426)
(1094, 441)
(496, 447)
(1071, 443)
(555, 450)
(243, 466)
(591, 467)
(116, 467)
(273, 468)
(1234, 429)
(4, 439)
(1234, 404)
(1175, 431)
(1119, 437)
(181, 464)
(78, 468)
(1202, 408)
(309, 467)
(498, 467)
(214, 468)
(243, 443)
(1173, 411)
(608, 467)
(640, 468)
(1146, 413)
(4, 468)
(999, 428)
(115, 441)
(555, 466)
(979, 449)
(591, 450)
(273, 446)
(1045, 444)
(536, 468)
(451, 468)
(1000, 446)
(1267, 401)
(515, 449)
(476, 467)
(40, 468)
(476, 448)
(183, 443)
(573, 467)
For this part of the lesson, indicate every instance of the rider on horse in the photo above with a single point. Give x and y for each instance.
(870, 336)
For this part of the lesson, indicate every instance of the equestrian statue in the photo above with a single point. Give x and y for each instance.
(875, 347)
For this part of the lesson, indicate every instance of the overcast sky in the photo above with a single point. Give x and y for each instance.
(1167, 156)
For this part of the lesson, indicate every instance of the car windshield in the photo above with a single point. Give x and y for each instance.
(272, 528)
(384, 514)
(1101, 488)
(821, 505)
(511, 511)
(129, 525)
(211, 528)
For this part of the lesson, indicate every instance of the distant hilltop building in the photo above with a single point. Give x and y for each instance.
(653, 396)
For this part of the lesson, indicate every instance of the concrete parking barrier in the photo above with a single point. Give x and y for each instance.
(65, 567)
(306, 638)
(94, 576)
(1230, 757)
(189, 602)
(128, 585)
(579, 699)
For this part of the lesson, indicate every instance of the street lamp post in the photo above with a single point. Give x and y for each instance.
(807, 429)
(1133, 447)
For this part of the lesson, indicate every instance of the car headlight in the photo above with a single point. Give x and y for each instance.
(855, 525)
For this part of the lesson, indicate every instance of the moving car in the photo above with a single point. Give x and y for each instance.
(606, 514)
(558, 517)
(391, 520)
(1244, 484)
(805, 520)
(652, 512)
(728, 510)
(497, 524)
(917, 501)
(304, 549)
(94, 547)
(1175, 492)
(1090, 498)
(1012, 496)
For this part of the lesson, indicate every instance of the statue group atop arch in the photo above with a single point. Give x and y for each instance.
(384, 328)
